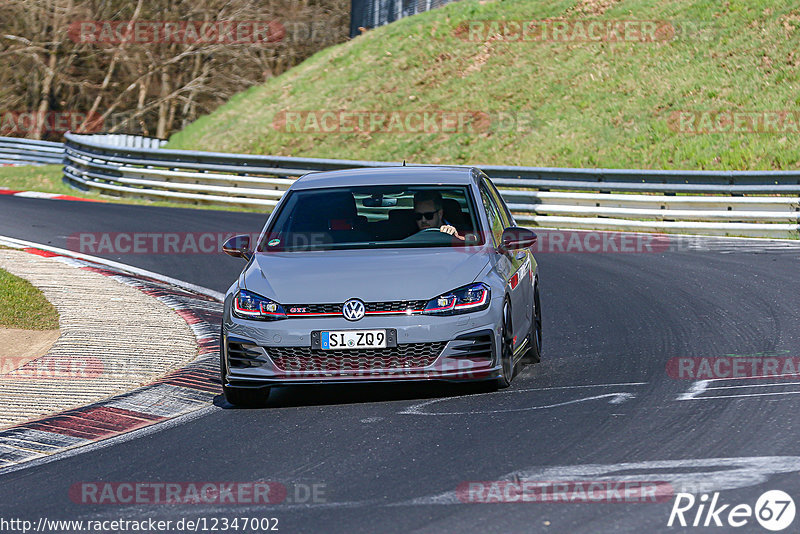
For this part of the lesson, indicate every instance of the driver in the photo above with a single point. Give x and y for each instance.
(428, 213)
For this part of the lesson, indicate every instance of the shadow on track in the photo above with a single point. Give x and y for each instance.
(334, 394)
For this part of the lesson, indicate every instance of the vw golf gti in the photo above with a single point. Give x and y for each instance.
(382, 274)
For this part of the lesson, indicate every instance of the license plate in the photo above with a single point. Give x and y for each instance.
(353, 339)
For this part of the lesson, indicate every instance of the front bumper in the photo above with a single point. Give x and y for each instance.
(460, 348)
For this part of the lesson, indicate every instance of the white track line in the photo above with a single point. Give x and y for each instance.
(758, 386)
(582, 386)
(616, 398)
(788, 375)
(696, 389)
(745, 395)
(416, 409)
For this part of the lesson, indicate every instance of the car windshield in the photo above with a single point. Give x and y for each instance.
(374, 216)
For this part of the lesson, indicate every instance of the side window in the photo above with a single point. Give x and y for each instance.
(495, 222)
(508, 220)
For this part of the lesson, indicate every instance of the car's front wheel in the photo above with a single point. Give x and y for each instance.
(244, 397)
(506, 349)
(534, 354)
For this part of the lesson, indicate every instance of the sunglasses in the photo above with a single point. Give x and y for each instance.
(428, 215)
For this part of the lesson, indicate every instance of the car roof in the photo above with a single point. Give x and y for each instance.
(399, 175)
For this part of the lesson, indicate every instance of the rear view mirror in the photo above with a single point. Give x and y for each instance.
(515, 238)
(379, 202)
(238, 246)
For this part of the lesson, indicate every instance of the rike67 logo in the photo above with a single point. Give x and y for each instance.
(774, 510)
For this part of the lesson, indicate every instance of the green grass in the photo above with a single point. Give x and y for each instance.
(592, 104)
(42, 178)
(47, 179)
(24, 306)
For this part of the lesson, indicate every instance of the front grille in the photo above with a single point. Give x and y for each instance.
(313, 308)
(396, 306)
(410, 355)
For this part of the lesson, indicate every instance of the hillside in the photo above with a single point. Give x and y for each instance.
(553, 99)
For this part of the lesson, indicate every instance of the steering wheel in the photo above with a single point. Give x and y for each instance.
(429, 235)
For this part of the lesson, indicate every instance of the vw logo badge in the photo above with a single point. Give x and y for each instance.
(353, 310)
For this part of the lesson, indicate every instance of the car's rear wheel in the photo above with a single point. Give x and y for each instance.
(534, 354)
(244, 397)
(506, 349)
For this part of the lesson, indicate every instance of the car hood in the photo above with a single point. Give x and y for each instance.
(335, 276)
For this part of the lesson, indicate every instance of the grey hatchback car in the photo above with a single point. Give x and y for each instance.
(382, 274)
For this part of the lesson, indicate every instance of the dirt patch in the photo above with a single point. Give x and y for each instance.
(18, 346)
(480, 59)
(593, 7)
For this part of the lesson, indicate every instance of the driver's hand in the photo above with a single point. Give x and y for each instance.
(447, 229)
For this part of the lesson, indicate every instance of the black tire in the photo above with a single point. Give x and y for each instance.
(506, 350)
(534, 354)
(244, 397)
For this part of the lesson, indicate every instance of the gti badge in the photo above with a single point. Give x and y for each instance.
(353, 310)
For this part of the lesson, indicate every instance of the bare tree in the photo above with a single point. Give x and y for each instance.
(150, 67)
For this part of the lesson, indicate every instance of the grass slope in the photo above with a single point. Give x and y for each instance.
(24, 306)
(593, 104)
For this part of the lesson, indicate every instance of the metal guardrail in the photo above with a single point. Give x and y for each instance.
(124, 140)
(754, 203)
(17, 150)
(368, 14)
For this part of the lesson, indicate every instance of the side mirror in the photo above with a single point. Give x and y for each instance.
(238, 246)
(515, 238)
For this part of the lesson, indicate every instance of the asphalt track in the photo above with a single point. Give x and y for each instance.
(389, 459)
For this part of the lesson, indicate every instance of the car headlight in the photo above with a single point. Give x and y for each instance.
(247, 305)
(471, 298)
